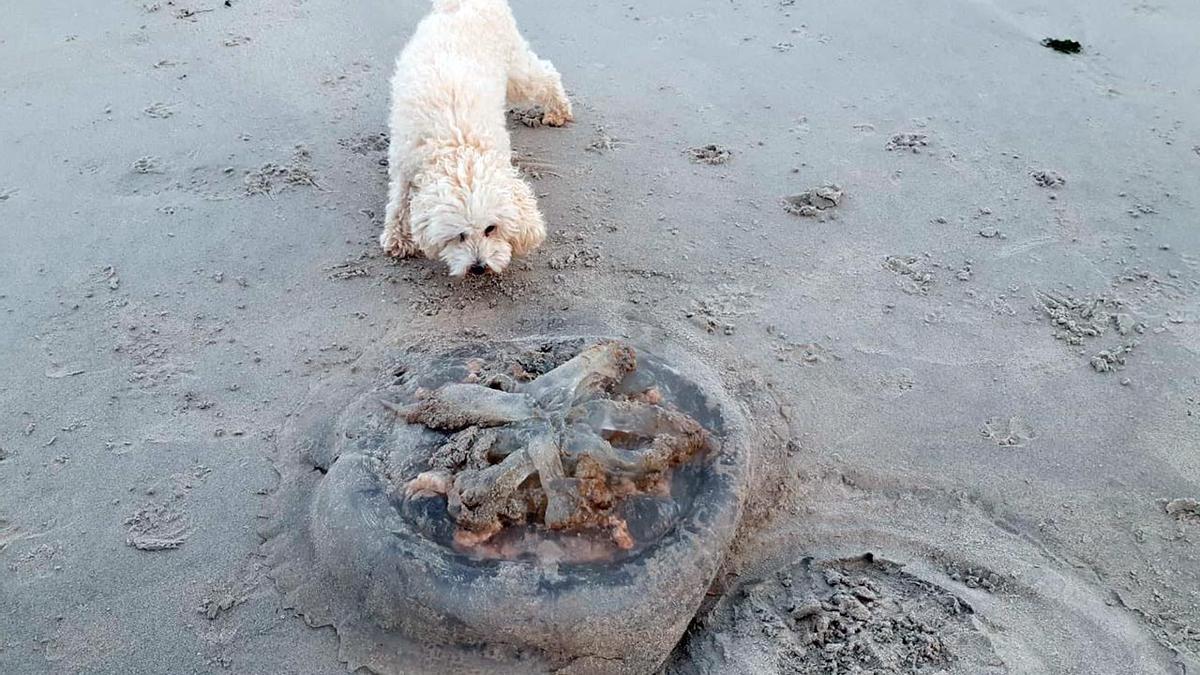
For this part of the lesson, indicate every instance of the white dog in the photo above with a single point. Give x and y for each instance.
(453, 193)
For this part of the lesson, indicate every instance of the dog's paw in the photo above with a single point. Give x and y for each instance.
(397, 247)
(557, 118)
(402, 249)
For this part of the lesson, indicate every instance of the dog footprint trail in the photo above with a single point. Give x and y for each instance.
(369, 144)
(913, 142)
(39, 559)
(164, 525)
(711, 155)
(1008, 432)
(348, 90)
(235, 590)
(533, 167)
(916, 276)
(943, 291)
(602, 142)
(159, 111)
(815, 203)
(221, 631)
(151, 175)
(1108, 327)
(272, 177)
(811, 353)
(719, 312)
(147, 165)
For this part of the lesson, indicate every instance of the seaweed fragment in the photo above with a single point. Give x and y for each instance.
(1063, 45)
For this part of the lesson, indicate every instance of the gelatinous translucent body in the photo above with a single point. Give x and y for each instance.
(522, 506)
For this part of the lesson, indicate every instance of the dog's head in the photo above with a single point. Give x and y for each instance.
(473, 212)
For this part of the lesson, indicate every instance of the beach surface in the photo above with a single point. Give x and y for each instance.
(962, 267)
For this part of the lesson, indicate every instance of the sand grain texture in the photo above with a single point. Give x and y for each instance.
(189, 206)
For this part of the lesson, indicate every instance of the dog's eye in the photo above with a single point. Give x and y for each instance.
(462, 237)
(490, 229)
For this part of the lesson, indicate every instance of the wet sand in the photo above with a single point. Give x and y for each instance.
(984, 354)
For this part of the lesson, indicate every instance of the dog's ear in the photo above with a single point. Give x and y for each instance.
(529, 230)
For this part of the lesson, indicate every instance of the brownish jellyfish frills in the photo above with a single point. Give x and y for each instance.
(452, 407)
(571, 521)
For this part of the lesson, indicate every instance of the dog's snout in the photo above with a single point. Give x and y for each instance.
(477, 268)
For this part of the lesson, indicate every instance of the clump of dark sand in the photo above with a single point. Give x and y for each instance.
(710, 154)
(814, 202)
(1049, 179)
(976, 577)
(1079, 318)
(529, 117)
(1109, 360)
(1184, 508)
(913, 142)
(147, 165)
(603, 142)
(917, 278)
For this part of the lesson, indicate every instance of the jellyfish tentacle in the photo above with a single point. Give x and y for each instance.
(663, 437)
(597, 368)
(563, 451)
(561, 502)
(581, 441)
(478, 498)
(453, 407)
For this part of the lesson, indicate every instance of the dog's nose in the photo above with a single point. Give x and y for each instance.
(478, 269)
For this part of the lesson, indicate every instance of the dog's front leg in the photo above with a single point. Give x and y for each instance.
(530, 228)
(396, 239)
(534, 80)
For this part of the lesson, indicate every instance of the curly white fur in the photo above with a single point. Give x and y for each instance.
(453, 192)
